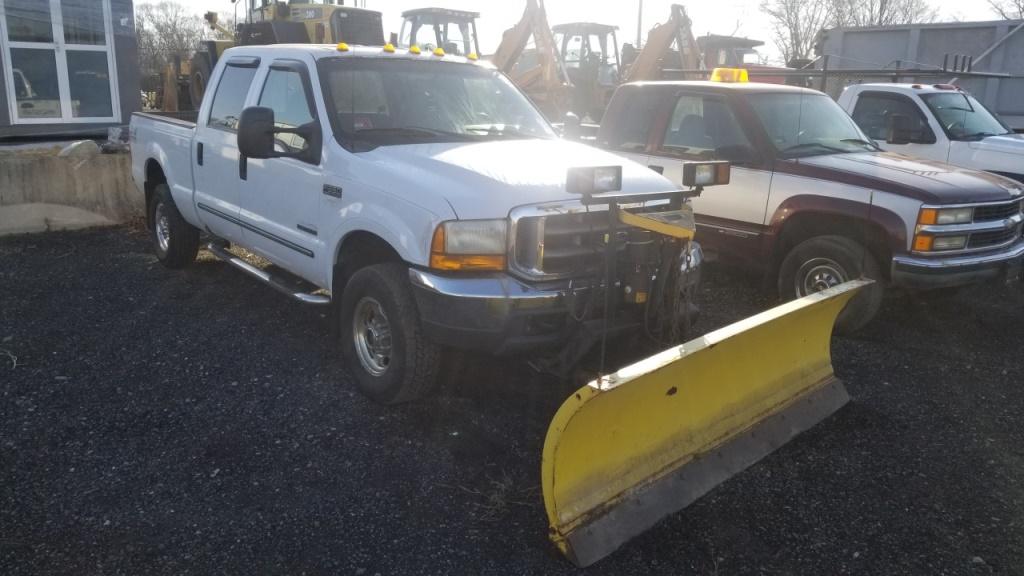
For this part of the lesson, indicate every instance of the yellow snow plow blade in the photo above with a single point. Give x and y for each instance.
(628, 450)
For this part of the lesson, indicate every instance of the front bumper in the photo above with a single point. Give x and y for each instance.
(499, 314)
(929, 273)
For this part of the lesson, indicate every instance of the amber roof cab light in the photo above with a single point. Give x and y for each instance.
(730, 75)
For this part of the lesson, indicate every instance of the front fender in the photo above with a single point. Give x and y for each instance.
(405, 227)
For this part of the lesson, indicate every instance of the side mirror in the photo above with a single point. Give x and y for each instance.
(256, 131)
(738, 154)
(572, 127)
(898, 129)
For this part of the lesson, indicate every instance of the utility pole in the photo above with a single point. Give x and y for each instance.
(640, 25)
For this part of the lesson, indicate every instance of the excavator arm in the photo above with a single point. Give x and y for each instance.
(648, 63)
(546, 83)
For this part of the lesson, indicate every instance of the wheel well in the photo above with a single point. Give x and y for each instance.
(359, 250)
(154, 176)
(804, 226)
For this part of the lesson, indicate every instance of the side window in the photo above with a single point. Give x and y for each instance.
(230, 97)
(285, 93)
(632, 125)
(873, 111)
(704, 128)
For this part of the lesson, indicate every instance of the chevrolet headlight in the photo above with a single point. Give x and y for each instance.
(943, 216)
(469, 245)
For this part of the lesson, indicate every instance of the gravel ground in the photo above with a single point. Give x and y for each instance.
(158, 422)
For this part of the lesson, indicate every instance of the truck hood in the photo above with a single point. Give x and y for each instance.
(925, 180)
(1005, 143)
(489, 179)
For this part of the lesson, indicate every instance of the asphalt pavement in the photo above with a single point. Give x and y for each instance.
(161, 422)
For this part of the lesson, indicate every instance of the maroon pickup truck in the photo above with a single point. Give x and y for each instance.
(813, 202)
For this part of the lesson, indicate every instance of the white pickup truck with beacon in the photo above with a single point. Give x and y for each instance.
(423, 195)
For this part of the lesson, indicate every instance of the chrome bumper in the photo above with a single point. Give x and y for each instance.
(925, 273)
(501, 314)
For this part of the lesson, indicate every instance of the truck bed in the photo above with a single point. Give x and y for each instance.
(186, 118)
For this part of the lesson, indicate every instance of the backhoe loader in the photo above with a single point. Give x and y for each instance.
(538, 71)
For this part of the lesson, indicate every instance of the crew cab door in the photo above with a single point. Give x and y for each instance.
(874, 111)
(281, 196)
(704, 127)
(215, 159)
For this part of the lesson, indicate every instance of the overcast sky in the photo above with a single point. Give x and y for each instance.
(742, 17)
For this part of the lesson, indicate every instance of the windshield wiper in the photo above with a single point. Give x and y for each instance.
(871, 145)
(980, 135)
(814, 145)
(411, 132)
(501, 132)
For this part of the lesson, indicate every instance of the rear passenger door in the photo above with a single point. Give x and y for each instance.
(703, 127)
(215, 149)
(281, 196)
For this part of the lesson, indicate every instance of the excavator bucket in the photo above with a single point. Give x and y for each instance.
(626, 451)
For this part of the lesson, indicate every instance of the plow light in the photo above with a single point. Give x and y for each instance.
(705, 174)
(594, 180)
(469, 245)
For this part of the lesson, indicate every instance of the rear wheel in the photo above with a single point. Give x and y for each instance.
(824, 262)
(175, 241)
(382, 341)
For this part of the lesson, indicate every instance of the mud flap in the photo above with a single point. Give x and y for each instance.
(630, 449)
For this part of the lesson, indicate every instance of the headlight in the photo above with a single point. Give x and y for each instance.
(946, 216)
(469, 245)
(929, 243)
(949, 243)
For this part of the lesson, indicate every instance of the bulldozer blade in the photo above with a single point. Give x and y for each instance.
(627, 450)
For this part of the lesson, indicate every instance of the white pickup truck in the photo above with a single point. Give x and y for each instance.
(422, 195)
(938, 122)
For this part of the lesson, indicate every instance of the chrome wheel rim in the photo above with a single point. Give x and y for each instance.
(163, 228)
(371, 333)
(819, 274)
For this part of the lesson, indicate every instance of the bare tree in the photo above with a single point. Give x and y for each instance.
(1008, 9)
(847, 13)
(796, 23)
(166, 30)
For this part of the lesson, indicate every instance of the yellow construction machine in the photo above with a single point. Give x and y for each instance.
(537, 71)
(277, 22)
(634, 446)
(668, 44)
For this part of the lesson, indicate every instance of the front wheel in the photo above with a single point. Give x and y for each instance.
(382, 341)
(827, 261)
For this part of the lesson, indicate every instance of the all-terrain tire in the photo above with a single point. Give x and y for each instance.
(823, 261)
(409, 369)
(175, 241)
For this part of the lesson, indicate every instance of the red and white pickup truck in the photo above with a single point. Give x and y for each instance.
(813, 200)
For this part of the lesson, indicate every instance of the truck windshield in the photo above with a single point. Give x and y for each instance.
(963, 117)
(801, 124)
(380, 102)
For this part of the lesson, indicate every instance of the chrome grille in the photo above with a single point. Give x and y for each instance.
(992, 212)
(562, 245)
(992, 239)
